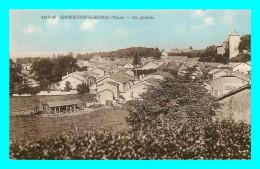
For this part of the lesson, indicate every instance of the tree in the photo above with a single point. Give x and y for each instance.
(56, 73)
(156, 53)
(174, 99)
(44, 84)
(190, 48)
(14, 75)
(245, 43)
(136, 60)
(242, 57)
(42, 69)
(83, 88)
(67, 86)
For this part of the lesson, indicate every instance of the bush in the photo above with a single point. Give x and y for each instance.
(242, 57)
(26, 89)
(82, 88)
(173, 99)
(186, 140)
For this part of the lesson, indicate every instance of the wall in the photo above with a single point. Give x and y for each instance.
(221, 84)
(233, 46)
(73, 82)
(220, 50)
(237, 106)
(121, 86)
(138, 89)
(105, 95)
(113, 88)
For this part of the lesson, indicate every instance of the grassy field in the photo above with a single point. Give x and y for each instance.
(37, 127)
(27, 103)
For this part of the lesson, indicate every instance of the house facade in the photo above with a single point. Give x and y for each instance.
(124, 80)
(75, 79)
(225, 84)
(107, 92)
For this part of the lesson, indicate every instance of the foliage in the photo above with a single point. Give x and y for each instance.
(191, 54)
(174, 99)
(186, 140)
(52, 70)
(83, 88)
(14, 76)
(44, 84)
(245, 43)
(242, 57)
(136, 60)
(210, 55)
(67, 86)
(124, 53)
(84, 68)
(42, 69)
(26, 89)
(24, 60)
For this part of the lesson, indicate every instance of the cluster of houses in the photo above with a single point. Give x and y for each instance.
(123, 81)
(229, 83)
(118, 80)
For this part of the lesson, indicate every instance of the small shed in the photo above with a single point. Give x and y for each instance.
(67, 106)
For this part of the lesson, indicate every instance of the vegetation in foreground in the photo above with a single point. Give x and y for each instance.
(186, 140)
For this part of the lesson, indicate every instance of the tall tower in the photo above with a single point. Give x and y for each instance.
(234, 40)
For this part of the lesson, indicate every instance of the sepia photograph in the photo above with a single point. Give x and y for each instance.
(130, 84)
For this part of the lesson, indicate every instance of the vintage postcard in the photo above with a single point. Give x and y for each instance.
(130, 84)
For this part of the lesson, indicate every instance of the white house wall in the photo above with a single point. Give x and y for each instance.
(73, 82)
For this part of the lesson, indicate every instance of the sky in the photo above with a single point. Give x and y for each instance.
(32, 32)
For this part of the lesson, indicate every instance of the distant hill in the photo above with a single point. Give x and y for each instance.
(124, 53)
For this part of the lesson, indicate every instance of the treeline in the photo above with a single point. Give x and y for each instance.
(49, 71)
(124, 53)
(192, 54)
(45, 70)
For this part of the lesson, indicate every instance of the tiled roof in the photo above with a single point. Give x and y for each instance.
(63, 103)
(84, 73)
(169, 65)
(213, 71)
(232, 64)
(153, 81)
(162, 73)
(242, 76)
(183, 67)
(113, 83)
(121, 77)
